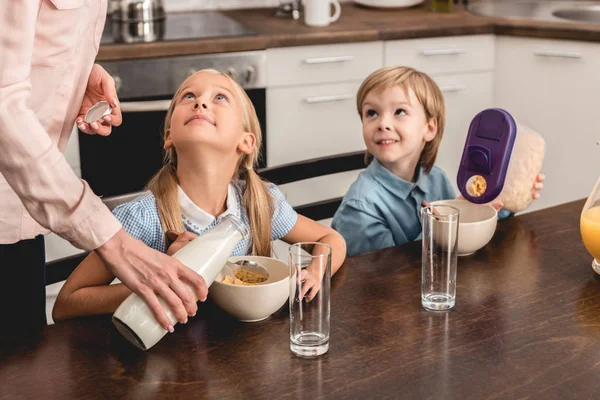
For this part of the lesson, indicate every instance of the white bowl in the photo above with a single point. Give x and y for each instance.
(476, 227)
(253, 303)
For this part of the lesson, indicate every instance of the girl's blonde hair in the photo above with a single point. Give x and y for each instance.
(428, 93)
(256, 200)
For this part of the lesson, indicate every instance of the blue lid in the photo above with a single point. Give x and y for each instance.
(486, 155)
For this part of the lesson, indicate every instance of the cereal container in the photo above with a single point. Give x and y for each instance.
(500, 160)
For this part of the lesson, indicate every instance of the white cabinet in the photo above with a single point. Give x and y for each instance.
(311, 110)
(322, 64)
(463, 68)
(434, 56)
(552, 86)
(306, 122)
(311, 99)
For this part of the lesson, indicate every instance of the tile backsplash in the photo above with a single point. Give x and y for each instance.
(189, 5)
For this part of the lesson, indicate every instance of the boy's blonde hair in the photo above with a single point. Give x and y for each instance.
(428, 93)
(256, 200)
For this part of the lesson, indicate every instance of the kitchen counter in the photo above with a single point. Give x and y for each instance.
(526, 325)
(357, 24)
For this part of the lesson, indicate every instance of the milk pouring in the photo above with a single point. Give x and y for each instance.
(207, 254)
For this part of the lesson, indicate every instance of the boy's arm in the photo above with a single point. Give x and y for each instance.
(362, 227)
(504, 214)
(87, 291)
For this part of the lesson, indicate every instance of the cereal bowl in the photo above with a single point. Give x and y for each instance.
(253, 303)
(477, 224)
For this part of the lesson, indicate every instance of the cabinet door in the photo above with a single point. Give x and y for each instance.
(464, 96)
(455, 54)
(552, 86)
(309, 65)
(312, 121)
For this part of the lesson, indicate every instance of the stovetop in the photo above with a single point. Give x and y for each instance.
(176, 26)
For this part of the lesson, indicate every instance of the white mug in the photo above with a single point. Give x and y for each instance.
(318, 12)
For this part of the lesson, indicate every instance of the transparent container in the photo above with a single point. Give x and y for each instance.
(500, 160)
(589, 224)
(207, 254)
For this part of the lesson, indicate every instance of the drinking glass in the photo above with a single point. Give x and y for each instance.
(439, 256)
(309, 319)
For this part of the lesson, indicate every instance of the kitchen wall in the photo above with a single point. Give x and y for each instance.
(186, 5)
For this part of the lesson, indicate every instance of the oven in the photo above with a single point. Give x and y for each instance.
(124, 162)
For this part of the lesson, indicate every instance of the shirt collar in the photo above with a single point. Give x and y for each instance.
(395, 184)
(196, 218)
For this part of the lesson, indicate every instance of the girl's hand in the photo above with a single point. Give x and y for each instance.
(311, 284)
(178, 241)
(538, 185)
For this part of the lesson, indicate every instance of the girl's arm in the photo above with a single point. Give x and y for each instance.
(307, 230)
(87, 291)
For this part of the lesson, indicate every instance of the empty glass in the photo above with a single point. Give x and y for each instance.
(439, 257)
(310, 264)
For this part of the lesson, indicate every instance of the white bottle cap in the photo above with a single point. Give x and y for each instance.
(97, 111)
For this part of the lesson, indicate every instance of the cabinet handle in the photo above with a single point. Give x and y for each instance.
(328, 60)
(325, 99)
(560, 54)
(453, 88)
(145, 106)
(441, 52)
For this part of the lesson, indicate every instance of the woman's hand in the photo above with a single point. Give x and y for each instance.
(152, 274)
(100, 87)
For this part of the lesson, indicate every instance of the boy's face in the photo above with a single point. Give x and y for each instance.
(395, 127)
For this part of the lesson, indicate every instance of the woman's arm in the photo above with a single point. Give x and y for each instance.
(88, 291)
(307, 230)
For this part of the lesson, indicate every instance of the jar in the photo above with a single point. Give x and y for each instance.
(500, 160)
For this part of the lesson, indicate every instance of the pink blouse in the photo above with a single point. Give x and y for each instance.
(47, 50)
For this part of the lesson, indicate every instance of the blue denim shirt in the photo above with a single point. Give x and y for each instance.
(382, 210)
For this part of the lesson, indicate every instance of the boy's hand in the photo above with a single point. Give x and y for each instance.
(497, 204)
(538, 185)
(178, 241)
(311, 283)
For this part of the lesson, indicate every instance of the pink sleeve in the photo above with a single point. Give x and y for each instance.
(31, 163)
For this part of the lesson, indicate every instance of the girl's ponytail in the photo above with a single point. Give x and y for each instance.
(259, 205)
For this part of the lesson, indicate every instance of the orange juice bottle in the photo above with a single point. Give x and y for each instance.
(589, 224)
(590, 230)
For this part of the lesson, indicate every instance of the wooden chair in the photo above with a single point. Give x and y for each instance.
(294, 173)
(313, 168)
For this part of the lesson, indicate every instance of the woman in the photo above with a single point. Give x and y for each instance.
(47, 80)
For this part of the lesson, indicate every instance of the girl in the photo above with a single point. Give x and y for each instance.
(402, 112)
(212, 139)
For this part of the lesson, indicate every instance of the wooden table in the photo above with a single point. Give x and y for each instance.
(526, 324)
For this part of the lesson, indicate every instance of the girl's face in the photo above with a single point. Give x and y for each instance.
(208, 114)
(395, 127)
